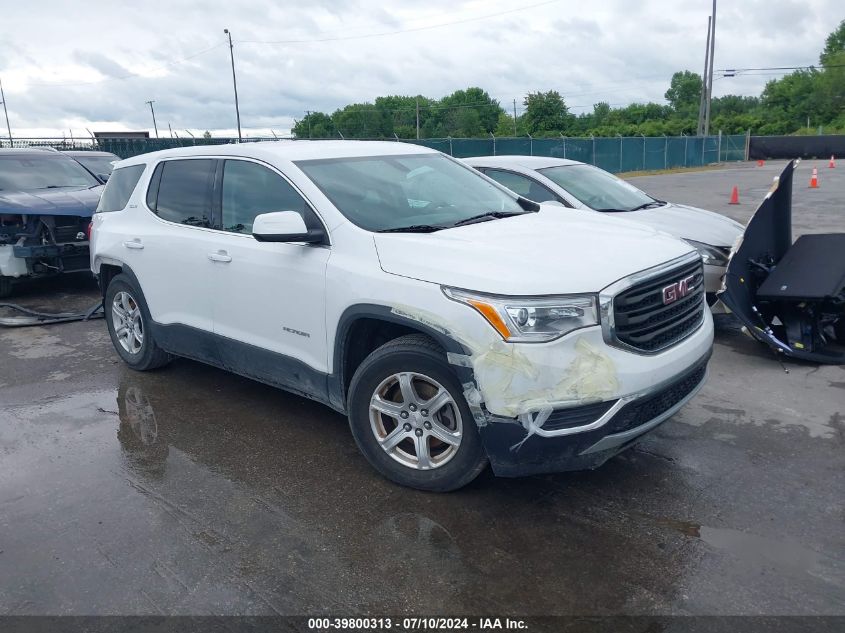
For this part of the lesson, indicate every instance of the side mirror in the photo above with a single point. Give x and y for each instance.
(285, 226)
(103, 177)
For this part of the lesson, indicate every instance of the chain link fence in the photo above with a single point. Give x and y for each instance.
(617, 154)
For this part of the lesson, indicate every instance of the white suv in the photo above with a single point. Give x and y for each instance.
(452, 322)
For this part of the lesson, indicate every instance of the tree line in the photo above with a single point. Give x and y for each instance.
(798, 103)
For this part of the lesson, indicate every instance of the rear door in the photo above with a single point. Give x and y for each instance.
(168, 250)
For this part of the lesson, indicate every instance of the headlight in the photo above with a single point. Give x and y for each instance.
(531, 320)
(711, 255)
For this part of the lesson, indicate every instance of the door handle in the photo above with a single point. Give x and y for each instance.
(135, 244)
(220, 256)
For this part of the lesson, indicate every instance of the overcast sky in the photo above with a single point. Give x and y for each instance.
(70, 65)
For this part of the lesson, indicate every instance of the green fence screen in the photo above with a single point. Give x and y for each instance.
(617, 154)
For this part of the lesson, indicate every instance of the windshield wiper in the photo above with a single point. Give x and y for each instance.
(486, 217)
(414, 228)
(650, 205)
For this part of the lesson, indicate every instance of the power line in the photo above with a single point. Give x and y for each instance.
(299, 41)
(406, 30)
(170, 64)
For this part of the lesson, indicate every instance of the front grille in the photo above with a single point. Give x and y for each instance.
(641, 411)
(644, 322)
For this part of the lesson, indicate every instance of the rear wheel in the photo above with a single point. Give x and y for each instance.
(128, 322)
(5, 287)
(410, 419)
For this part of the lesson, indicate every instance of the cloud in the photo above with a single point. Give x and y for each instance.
(607, 50)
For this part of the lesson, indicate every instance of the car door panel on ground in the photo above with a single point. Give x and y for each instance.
(166, 252)
(267, 295)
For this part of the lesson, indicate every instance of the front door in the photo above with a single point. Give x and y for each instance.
(269, 298)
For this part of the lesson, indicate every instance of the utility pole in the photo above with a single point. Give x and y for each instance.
(700, 128)
(514, 117)
(154, 115)
(308, 116)
(6, 112)
(235, 82)
(418, 118)
(710, 72)
(170, 128)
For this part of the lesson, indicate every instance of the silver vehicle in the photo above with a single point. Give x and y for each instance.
(581, 186)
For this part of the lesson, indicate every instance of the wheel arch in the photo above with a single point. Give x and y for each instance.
(363, 328)
(109, 269)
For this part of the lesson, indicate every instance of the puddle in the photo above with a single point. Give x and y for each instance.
(816, 426)
(87, 407)
(753, 549)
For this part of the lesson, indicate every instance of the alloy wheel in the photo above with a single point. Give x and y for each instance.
(416, 420)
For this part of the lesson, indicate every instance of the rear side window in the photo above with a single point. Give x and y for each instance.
(180, 191)
(250, 189)
(119, 188)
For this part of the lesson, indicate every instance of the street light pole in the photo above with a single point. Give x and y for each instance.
(234, 82)
(154, 116)
(710, 72)
(6, 112)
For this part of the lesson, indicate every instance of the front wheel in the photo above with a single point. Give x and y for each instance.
(5, 287)
(410, 419)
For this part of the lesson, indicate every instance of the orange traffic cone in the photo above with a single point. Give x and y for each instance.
(814, 179)
(831, 164)
(760, 163)
(734, 195)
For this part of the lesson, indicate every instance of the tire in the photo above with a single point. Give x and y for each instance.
(406, 428)
(5, 287)
(138, 349)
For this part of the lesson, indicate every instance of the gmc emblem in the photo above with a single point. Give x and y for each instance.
(678, 290)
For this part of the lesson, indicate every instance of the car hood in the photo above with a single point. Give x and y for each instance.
(77, 202)
(532, 254)
(691, 223)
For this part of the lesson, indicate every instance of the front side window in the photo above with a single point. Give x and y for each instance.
(383, 193)
(598, 189)
(250, 189)
(42, 170)
(181, 191)
(119, 188)
(524, 186)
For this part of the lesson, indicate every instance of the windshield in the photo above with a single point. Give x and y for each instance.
(24, 172)
(423, 191)
(597, 188)
(98, 164)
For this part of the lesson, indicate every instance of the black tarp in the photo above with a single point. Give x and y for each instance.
(765, 147)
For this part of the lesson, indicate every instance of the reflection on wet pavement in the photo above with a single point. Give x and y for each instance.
(191, 491)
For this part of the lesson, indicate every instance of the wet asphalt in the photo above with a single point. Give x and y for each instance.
(191, 491)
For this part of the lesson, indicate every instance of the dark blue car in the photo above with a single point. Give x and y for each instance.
(46, 203)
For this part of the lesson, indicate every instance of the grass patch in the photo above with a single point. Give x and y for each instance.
(673, 170)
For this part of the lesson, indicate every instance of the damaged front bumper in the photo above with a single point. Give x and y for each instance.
(584, 437)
